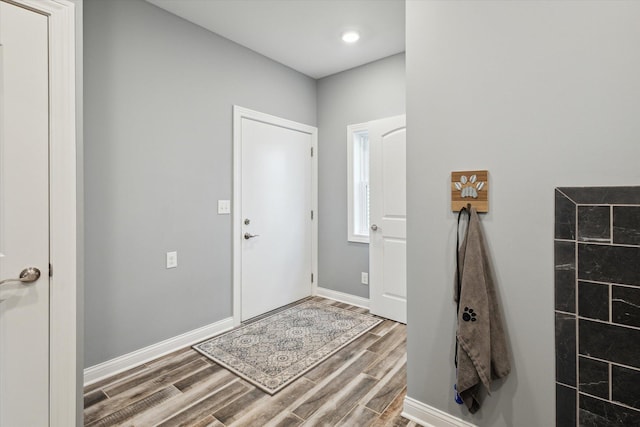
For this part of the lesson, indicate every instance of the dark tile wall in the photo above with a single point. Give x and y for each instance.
(597, 306)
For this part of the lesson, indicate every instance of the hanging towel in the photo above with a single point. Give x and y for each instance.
(482, 345)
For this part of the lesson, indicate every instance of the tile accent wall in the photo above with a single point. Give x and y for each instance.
(597, 306)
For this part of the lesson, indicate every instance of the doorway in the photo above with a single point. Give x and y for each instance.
(38, 362)
(274, 212)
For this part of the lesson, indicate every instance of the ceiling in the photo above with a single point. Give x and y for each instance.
(302, 34)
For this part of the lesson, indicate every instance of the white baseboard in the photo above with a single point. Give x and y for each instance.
(342, 297)
(429, 416)
(138, 357)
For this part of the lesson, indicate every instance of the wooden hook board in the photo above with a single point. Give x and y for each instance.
(470, 187)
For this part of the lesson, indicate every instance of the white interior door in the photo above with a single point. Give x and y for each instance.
(388, 218)
(24, 217)
(276, 219)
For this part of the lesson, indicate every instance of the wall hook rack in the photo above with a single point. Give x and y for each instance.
(470, 188)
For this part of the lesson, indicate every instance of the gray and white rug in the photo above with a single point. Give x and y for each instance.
(274, 351)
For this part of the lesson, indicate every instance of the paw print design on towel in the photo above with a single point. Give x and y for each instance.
(469, 315)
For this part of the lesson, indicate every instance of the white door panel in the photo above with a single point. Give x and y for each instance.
(394, 279)
(387, 241)
(276, 206)
(394, 190)
(24, 217)
(394, 227)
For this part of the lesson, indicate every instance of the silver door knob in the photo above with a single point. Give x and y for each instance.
(248, 236)
(27, 275)
(374, 227)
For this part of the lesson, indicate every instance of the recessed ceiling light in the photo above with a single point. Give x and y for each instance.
(350, 36)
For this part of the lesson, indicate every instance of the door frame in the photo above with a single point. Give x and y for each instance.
(240, 113)
(63, 326)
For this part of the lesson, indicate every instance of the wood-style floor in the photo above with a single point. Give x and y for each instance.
(364, 384)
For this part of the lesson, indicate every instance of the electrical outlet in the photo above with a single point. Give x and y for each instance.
(172, 259)
(364, 278)
(224, 207)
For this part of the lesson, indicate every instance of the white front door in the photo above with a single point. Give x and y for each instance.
(24, 217)
(388, 236)
(275, 212)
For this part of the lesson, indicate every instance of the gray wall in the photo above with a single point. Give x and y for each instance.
(542, 94)
(158, 113)
(372, 91)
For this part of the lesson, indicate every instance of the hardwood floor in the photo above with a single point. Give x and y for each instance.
(363, 384)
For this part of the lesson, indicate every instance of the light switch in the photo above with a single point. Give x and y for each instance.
(364, 278)
(224, 207)
(172, 259)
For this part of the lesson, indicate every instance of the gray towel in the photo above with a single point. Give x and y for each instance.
(482, 344)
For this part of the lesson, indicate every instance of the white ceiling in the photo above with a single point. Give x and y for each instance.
(302, 34)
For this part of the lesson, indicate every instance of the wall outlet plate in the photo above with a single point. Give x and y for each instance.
(224, 207)
(364, 278)
(172, 259)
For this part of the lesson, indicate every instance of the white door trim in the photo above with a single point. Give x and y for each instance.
(238, 114)
(63, 373)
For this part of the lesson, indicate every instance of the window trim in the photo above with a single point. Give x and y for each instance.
(351, 235)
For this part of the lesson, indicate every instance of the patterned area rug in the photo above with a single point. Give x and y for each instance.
(274, 351)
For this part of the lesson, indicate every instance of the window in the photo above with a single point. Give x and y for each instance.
(358, 182)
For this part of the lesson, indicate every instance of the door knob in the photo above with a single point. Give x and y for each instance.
(27, 275)
(374, 227)
(248, 236)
